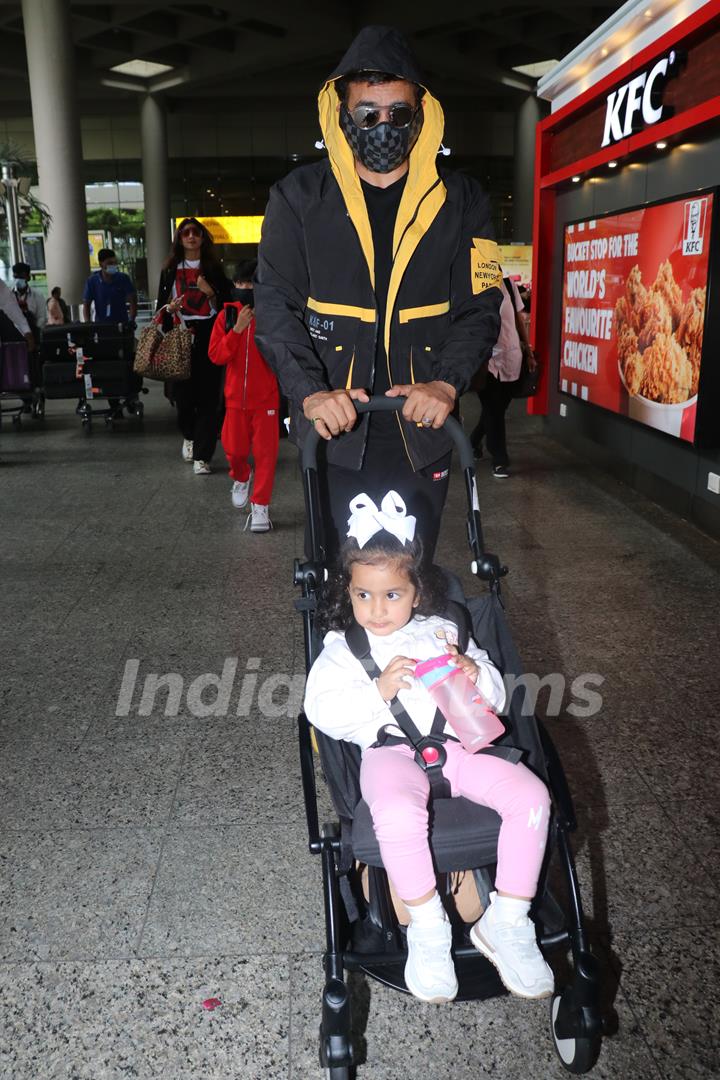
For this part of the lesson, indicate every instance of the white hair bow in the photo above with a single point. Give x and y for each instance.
(365, 519)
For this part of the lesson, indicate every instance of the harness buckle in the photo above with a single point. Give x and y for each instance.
(430, 754)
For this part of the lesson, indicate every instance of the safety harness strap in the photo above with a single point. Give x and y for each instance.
(429, 752)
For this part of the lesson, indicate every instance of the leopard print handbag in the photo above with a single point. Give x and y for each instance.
(163, 356)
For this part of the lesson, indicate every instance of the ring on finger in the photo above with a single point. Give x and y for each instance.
(427, 421)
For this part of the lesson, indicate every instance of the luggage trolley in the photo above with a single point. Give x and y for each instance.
(89, 362)
(362, 932)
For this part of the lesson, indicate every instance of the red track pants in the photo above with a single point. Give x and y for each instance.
(256, 432)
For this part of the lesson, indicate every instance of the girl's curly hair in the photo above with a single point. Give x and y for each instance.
(334, 610)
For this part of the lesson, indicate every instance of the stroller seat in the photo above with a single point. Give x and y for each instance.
(461, 833)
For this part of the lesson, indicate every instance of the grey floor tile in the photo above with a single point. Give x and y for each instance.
(699, 823)
(672, 979)
(75, 893)
(92, 786)
(600, 762)
(629, 861)
(232, 779)
(235, 890)
(144, 1019)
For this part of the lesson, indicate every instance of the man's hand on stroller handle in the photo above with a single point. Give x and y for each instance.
(428, 404)
(396, 676)
(332, 411)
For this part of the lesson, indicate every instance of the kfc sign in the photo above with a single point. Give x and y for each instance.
(639, 102)
(695, 218)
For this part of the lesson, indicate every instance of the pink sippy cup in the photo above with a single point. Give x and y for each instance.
(460, 702)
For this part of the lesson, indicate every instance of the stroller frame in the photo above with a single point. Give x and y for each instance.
(576, 1024)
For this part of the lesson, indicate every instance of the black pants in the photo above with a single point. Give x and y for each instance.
(495, 398)
(199, 398)
(385, 468)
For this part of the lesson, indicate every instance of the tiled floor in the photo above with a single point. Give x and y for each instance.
(153, 839)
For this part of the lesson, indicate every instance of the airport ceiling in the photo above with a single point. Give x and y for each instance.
(226, 51)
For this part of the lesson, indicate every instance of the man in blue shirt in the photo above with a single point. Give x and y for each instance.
(109, 291)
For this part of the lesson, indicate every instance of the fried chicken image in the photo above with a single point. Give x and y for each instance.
(654, 318)
(629, 306)
(666, 285)
(668, 374)
(633, 371)
(690, 332)
(627, 342)
(634, 288)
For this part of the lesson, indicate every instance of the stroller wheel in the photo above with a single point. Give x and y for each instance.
(579, 1054)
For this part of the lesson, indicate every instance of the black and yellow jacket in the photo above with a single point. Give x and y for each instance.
(316, 312)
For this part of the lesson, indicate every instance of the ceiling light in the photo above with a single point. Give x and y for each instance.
(536, 71)
(661, 145)
(143, 68)
(576, 179)
(612, 164)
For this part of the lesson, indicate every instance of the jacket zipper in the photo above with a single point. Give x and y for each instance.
(247, 354)
(387, 357)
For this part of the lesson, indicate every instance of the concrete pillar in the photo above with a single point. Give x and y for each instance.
(526, 119)
(153, 133)
(58, 145)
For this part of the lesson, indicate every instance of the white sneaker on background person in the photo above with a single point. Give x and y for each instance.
(259, 518)
(506, 936)
(201, 468)
(240, 493)
(429, 970)
(187, 450)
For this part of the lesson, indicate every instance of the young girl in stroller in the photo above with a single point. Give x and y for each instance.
(384, 585)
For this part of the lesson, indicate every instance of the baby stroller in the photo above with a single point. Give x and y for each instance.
(362, 930)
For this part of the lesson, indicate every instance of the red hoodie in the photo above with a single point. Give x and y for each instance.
(249, 382)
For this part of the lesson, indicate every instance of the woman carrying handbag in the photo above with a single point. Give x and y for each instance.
(194, 287)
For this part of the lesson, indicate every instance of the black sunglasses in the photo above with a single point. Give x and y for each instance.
(369, 116)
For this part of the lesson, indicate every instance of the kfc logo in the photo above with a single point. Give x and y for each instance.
(639, 102)
(695, 217)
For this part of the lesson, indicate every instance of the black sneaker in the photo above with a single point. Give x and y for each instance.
(501, 472)
(477, 452)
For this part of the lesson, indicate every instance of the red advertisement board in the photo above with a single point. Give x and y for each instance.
(634, 306)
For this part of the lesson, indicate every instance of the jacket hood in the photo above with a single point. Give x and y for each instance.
(381, 48)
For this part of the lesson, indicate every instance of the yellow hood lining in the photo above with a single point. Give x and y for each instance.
(422, 174)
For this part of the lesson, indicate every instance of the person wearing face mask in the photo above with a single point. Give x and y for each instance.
(109, 292)
(251, 403)
(30, 302)
(193, 288)
(378, 274)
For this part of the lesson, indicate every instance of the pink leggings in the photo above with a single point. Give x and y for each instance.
(397, 790)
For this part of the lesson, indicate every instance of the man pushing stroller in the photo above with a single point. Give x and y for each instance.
(378, 273)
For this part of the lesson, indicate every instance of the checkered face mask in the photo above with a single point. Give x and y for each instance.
(383, 147)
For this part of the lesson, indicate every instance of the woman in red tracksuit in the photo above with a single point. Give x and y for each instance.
(251, 406)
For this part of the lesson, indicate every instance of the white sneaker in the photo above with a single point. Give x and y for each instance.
(429, 971)
(259, 519)
(187, 450)
(201, 468)
(513, 949)
(240, 492)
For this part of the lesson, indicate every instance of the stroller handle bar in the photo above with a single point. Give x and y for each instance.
(386, 404)
(484, 565)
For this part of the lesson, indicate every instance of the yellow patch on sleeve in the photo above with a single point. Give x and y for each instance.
(485, 272)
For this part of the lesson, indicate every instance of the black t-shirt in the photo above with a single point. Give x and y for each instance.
(382, 207)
